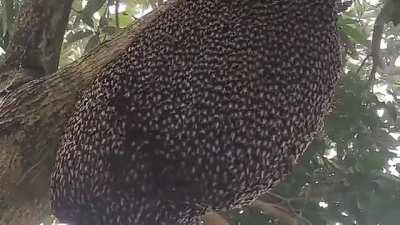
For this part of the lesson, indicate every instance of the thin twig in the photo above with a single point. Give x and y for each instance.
(287, 216)
(290, 210)
(282, 199)
(116, 14)
(376, 45)
(363, 63)
(29, 171)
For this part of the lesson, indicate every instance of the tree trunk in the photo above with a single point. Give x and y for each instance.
(32, 117)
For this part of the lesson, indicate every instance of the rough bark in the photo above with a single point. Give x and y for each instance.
(32, 117)
(36, 44)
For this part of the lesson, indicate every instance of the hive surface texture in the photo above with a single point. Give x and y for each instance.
(208, 108)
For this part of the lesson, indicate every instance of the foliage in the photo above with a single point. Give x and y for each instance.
(95, 21)
(350, 175)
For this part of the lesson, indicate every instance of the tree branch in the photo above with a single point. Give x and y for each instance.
(32, 117)
(36, 45)
(376, 45)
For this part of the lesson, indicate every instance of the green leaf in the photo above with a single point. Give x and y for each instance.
(92, 6)
(347, 20)
(372, 161)
(73, 37)
(356, 34)
(87, 20)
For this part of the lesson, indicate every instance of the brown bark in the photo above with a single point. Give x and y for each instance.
(32, 117)
(36, 45)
